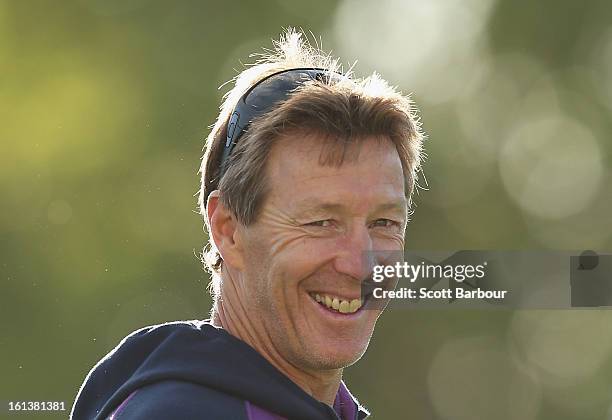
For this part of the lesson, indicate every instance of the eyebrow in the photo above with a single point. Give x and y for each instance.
(314, 206)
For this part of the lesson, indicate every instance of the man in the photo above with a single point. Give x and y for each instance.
(305, 171)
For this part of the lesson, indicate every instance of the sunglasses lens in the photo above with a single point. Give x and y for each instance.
(278, 87)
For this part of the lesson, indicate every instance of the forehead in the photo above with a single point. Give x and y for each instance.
(299, 167)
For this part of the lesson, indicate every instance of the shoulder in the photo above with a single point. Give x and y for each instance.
(179, 399)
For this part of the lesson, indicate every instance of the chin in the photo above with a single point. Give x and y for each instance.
(334, 356)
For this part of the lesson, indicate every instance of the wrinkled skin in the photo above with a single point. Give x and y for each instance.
(309, 237)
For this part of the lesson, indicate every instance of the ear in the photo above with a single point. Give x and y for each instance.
(223, 228)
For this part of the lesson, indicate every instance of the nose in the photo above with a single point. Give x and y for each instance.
(354, 253)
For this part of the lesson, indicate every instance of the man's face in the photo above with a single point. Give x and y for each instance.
(307, 246)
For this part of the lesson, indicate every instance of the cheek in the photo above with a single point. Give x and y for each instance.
(256, 273)
(291, 264)
(388, 243)
(306, 256)
(271, 263)
(296, 250)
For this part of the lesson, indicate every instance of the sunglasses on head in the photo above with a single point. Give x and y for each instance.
(263, 96)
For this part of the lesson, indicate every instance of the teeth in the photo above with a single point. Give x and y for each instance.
(338, 304)
(354, 305)
(344, 307)
(335, 303)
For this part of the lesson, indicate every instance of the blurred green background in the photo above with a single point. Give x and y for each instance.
(104, 105)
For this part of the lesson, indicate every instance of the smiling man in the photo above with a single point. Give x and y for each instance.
(306, 170)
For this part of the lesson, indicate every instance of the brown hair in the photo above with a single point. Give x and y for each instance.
(345, 112)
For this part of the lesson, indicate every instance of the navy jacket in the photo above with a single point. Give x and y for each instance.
(193, 370)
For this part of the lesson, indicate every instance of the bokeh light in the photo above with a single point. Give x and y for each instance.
(551, 166)
(475, 377)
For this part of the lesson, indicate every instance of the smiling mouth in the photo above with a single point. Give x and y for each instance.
(337, 304)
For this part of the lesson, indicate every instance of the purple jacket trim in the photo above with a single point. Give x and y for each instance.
(115, 414)
(344, 405)
(257, 413)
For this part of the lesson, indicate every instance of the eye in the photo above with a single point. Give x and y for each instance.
(385, 223)
(321, 223)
